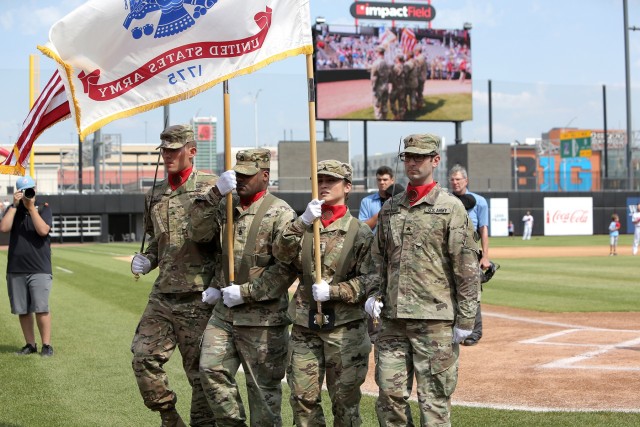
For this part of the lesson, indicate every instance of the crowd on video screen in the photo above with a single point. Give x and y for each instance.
(399, 61)
(447, 52)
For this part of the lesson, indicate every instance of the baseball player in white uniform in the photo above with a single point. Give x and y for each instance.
(635, 219)
(528, 226)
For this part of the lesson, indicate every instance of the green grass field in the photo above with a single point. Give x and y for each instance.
(440, 107)
(558, 241)
(96, 305)
(568, 283)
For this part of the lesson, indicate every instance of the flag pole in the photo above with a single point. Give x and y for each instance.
(227, 166)
(314, 179)
(33, 68)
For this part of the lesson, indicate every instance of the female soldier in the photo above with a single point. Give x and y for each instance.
(339, 347)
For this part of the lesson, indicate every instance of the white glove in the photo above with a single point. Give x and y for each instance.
(460, 335)
(312, 212)
(227, 182)
(231, 296)
(140, 264)
(320, 291)
(373, 307)
(211, 295)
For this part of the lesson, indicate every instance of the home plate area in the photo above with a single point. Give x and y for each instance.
(553, 361)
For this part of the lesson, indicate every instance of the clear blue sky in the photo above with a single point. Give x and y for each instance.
(547, 60)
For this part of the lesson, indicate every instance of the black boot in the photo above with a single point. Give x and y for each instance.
(171, 418)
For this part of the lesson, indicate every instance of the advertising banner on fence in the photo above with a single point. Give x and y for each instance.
(568, 216)
(499, 217)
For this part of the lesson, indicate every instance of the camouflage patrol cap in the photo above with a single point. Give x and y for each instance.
(335, 168)
(176, 136)
(249, 162)
(425, 143)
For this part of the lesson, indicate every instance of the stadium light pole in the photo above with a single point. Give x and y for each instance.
(515, 144)
(628, 91)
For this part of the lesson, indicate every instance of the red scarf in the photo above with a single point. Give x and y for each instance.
(416, 193)
(179, 178)
(332, 213)
(246, 202)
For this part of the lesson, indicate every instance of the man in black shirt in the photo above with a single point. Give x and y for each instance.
(29, 275)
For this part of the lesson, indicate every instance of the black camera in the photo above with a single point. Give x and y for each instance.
(29, 193)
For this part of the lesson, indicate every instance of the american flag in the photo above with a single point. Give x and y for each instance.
(386, 38)
(408, 40)
(50, 108)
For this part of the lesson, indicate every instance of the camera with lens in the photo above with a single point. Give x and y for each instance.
(29, 193)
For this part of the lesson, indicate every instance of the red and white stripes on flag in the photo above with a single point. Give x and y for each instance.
(408, 40)
(51, 107)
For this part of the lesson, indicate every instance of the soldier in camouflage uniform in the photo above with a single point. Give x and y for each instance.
(249, 326)
(411, 73)
(380, 73)
(427, 261)
(421, 67)
(398, 95)
(339, 349)
(175, 315)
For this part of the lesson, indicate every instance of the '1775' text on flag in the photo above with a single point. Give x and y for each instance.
(50, 108)
(119, 60)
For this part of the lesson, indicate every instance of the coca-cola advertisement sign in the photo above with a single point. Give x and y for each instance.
(568, 216)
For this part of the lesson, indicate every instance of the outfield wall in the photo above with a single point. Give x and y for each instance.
(118, 217)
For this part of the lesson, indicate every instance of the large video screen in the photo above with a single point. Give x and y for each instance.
(395, 74)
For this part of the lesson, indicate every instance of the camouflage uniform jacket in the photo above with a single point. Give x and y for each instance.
(398, 77)
(421, 67)
(427, 259)
(411, 72)
(266, 291)
(347, 297)
(380, 73)
(185, 266)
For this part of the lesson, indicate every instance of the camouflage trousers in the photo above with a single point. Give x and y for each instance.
(171, 320)
(380, 104)
(398, 100)
(420, 94)
(423, 347)
(262, 351)
(341, 354)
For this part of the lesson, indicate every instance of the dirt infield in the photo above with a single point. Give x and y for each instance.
(550, 361)
(570, 361)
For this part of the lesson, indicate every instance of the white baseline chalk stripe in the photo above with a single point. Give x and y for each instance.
(64, 269)
(546, 322)
(539, 408)
(569, 362)
(540, 340)
(502, 406)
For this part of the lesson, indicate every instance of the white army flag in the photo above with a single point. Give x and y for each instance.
(118, 59)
